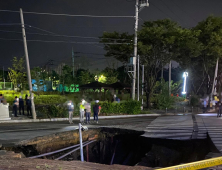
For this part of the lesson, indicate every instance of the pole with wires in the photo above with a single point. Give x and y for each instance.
(135, 49)
(4, 76)
(138, 78)
(27, 64)
(72, 63)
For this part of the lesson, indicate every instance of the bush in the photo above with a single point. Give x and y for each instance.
(52, 111)
(49, 99)
(194, 100)
(128, 107)
(163, 101)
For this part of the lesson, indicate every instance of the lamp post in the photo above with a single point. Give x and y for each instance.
(185, 75)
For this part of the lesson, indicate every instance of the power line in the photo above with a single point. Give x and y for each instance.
(69, 15)
(170, 9)
(6, 24)
(73, 42)
(160, 9)
(57, 35)
(184, 11)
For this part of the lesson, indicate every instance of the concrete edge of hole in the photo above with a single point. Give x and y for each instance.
(77, 118)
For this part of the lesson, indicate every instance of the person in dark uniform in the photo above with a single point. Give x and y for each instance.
(15, 105)
(29, 105)
(21, 105)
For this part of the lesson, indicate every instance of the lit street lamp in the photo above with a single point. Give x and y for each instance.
(185, 75)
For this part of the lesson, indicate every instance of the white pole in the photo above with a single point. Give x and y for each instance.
(215, 76)
(142, 83)
(135, 49)
(27, 64)
(4, 76)
(80, 141)
(170, 78)
(138, 78)
(72, 63)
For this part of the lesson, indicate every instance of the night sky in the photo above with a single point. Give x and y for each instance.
(187, 12)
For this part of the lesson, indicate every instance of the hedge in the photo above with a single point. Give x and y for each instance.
(127, 107)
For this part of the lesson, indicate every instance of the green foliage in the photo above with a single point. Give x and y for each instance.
(162, 99)
(84, 77)
(111, 75)
(57, 111)
(66, 78)
(38, 99)
(17, 73)
(49, 99)
(158, 43)
(127, 107)
(120, 52)
(194, 100)
(52, 111)
(201, 68)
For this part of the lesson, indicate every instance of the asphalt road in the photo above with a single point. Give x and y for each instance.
(10, 133)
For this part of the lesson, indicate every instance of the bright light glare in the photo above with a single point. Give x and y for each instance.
(185, 75)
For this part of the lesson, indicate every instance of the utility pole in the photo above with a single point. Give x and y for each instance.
(4, 76)
(27, 64)
(162, 73)
(143, 3)
(72, 63)
(138, 78)
(170, 78)
(142, 84)
(135, 49)
(214, 82)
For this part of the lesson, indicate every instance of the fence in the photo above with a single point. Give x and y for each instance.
(180, 109)
(6, 85)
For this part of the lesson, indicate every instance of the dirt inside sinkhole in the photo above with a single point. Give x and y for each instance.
(117, 146)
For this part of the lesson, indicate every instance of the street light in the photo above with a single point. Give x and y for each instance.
(185, 75)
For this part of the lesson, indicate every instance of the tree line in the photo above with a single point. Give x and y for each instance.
(195, 49)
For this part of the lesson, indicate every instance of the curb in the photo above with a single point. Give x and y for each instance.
(77, 118)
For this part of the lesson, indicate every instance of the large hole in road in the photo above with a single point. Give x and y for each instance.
(118, 146)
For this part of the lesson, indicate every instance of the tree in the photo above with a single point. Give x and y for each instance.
(202, 65)
(17, 73)
(123, 76)
(122, 51)
(111, 75)
(37, 76)
(84, 77)
(158, 42)
(66, 78)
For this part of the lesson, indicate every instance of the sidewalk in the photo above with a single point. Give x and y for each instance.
(24, 118)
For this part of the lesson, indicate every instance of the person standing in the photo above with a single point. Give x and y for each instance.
(29, 105)
(96, 111)
(219, 109)
(82, 111)
(88, 112)
(70, 109)
(1, 98)
(21, 105)
(15, 105)
(204, 106)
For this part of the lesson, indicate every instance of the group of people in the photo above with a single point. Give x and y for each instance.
(84, 109)
(18, 103)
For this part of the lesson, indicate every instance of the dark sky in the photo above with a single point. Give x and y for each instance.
(187, 12)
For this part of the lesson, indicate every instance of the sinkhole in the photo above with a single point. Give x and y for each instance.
(117, 146)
